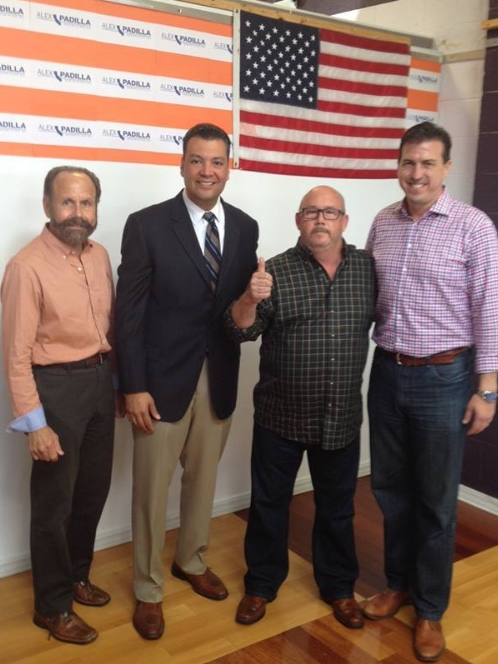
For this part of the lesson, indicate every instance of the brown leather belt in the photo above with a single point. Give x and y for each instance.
(446, 357)
(87, 363)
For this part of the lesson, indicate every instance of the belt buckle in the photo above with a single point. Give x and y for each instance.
(398, 359)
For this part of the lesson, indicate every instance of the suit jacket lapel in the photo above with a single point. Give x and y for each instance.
(184, 231)
(230, 246)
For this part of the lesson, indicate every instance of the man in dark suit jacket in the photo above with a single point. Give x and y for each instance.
(178, 369)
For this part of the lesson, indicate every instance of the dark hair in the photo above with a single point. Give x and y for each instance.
(427, 131)
(209, 132)
(54, 172)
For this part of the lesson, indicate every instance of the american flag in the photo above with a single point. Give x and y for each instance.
(319, 102)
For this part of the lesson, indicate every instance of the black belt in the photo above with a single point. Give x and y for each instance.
(87, 363)
(445, 357)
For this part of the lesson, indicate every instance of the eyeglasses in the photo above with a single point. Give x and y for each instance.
(329, 213)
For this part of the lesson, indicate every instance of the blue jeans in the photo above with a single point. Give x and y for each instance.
(417, 441)
(275, 462)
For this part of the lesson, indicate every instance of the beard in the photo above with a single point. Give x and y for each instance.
(73, 231)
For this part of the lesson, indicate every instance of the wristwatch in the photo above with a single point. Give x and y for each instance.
(487, 395)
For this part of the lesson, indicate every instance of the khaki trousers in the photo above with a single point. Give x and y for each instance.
(197, 441)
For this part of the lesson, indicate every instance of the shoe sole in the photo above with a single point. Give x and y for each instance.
(348, 625)
(148, 637)
(177, 572)
(436, 658)
(42, 625)
(80, 601)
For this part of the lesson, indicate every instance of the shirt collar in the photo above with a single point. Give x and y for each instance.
(196, 213)
(307, 253)
(441, 206)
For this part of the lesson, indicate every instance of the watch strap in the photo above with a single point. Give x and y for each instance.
(487, 395)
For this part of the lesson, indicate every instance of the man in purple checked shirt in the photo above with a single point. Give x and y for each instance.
(436, 261)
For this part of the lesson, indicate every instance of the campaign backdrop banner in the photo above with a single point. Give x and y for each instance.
(91, 80)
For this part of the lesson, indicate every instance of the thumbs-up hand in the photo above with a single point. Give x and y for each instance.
(261, 283)
(244, 309)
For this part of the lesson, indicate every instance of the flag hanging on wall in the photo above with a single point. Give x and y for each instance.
(319, 102)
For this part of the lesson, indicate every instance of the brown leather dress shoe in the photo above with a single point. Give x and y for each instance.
(148, 619)
(347, 611)
(385, 605)
(67, 627)
(251, 609)
(429, 643)
(90, 595)
(207, 584)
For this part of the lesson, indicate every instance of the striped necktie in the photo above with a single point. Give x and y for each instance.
(212, 251)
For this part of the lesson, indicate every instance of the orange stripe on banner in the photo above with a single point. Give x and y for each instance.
(90, 154)
(146, 15)
(16, 149)
(426, 65)
(100, 154)
(86, 53)
(25, 101)
(423, 101)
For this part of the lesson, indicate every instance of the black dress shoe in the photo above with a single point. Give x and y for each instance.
(148, 620)
(90, 595)
(67, 627)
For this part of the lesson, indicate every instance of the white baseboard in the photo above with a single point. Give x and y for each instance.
(478, 499)
(14, 565)
(108, 539)
(105, 540)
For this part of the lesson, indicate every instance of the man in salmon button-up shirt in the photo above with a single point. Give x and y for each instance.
(58, 300)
